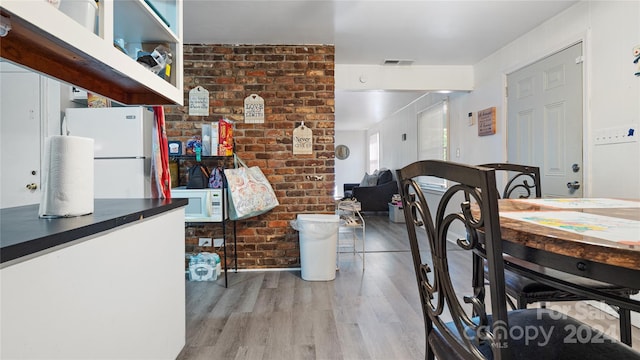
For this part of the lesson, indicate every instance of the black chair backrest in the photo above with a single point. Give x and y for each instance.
(471, 201)
(523, 180)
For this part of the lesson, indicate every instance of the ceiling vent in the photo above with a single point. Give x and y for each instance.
(397, 62)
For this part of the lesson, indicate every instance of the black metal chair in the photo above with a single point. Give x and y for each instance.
(523, 181)
(470, 205)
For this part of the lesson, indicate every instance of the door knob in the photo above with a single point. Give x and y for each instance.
(32, 186)
(573, 185)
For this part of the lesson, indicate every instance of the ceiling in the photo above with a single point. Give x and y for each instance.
(426, 32)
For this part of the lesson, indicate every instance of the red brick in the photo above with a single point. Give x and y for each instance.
(297, 85)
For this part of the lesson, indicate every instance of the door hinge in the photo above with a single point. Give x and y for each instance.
(580, 59)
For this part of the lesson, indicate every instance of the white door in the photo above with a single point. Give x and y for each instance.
(20, 139)
(544, 123)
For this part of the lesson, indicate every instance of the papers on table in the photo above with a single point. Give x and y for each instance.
(349, 205)
(583, 203)
(604, 227)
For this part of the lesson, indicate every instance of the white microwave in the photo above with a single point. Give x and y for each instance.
(205, 205)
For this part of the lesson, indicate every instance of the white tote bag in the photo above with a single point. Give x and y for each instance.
(250, 193)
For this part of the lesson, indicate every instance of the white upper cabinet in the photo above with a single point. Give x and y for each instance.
(46, 40)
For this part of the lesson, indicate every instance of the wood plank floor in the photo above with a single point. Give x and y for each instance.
(370, 314)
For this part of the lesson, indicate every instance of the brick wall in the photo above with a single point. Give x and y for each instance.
(297, 84)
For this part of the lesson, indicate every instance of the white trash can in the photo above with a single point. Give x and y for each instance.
(318, 245)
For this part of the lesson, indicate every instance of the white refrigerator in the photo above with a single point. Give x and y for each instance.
(122, 148)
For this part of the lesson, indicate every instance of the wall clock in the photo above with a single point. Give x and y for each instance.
(342, 152)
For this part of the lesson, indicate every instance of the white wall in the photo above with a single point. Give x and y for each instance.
(415, 77)
(352, 169)
(615, 96)
(396, 153)
(609, 30)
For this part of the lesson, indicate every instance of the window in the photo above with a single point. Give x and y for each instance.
(433, 138)
(374, 152)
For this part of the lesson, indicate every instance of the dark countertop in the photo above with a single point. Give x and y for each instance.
(23, 233)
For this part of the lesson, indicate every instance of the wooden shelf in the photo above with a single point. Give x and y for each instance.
(46, 40)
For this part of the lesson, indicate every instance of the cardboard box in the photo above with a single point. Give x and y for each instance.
(214, 138)
(206, 140)
(173, 171)
(97, 101)
(225, 138)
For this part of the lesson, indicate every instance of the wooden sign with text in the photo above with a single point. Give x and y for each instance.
(487, 121)
(254, 109)
(199, 101)
(302, 140)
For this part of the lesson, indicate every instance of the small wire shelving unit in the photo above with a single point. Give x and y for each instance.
(352, 231)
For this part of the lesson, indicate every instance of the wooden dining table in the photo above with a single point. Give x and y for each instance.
(597, 238)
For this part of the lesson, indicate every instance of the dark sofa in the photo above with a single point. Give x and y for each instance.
(375, 197)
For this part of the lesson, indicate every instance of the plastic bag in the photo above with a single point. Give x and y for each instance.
(157, 59)
(215, 180)
(204, 267)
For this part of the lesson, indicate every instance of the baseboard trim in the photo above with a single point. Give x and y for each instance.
(266, 269)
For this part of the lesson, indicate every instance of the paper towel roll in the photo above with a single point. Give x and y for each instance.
(68, 184)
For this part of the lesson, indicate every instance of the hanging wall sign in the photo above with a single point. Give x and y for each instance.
(302, 140)
(199, 101)
(254, 109)
(487, 121)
